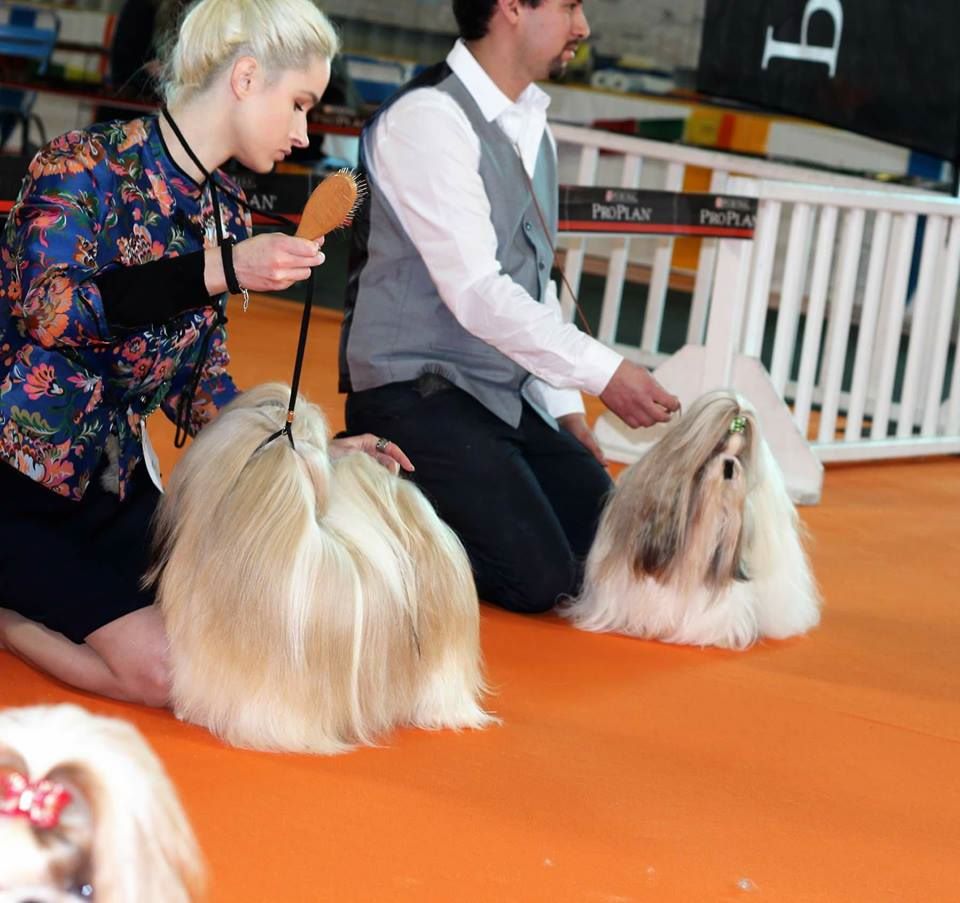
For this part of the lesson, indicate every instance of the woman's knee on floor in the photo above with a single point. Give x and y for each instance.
(143, 677)
(136, 650)
(148, 682)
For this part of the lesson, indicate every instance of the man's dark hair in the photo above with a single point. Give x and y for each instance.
(473, 16)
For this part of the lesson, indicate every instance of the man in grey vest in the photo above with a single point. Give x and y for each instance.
(453, 345)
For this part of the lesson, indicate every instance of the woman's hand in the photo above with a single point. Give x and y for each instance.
(264, 263)
(385, 452)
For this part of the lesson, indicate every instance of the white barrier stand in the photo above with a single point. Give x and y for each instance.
(696, 369)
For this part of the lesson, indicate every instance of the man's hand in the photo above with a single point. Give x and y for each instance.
(637, 398)
(576, 425)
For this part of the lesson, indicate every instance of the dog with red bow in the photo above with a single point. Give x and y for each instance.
(312, 603)
(699, 543)
(87, 811)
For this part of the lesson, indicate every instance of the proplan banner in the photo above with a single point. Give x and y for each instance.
(624, 210)
(885, 68)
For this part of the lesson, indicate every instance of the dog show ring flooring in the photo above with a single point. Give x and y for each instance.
(823, 768)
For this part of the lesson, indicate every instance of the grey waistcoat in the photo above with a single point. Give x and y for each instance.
(396, 327)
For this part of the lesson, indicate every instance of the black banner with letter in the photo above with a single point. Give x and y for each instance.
(889, 69)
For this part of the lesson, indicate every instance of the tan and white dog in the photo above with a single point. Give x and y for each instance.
(87, 811)
(699, 543)
(312, 604)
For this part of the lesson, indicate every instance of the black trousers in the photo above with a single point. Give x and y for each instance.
(524, 501)
(75, 566)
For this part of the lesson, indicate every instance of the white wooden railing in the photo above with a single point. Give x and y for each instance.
(825, 280)
(860, 415)
(591, 157)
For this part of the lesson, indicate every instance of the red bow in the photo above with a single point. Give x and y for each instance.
(40, 801)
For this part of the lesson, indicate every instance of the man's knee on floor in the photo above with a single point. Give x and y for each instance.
(537, 590)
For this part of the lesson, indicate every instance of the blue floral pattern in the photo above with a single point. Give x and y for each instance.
(93, 200)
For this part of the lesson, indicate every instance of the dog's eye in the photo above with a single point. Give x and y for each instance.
(728, 469)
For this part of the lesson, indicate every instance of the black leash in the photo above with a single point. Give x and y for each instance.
(553, 246)
(185, 404)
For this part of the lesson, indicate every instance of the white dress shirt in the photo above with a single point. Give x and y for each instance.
(424, 156)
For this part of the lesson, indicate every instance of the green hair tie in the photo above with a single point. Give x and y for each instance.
(739, 425)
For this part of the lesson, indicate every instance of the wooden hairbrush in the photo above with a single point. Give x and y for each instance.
(331, 205)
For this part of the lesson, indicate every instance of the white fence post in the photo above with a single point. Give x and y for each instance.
(573, 263)
(835, 353)
(789, 314)
(619, 258)
(706, 264)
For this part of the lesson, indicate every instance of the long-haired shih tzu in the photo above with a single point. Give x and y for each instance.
(699, 542)
(87, 812)
(312, 604)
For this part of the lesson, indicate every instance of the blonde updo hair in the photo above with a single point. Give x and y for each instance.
(279, 34)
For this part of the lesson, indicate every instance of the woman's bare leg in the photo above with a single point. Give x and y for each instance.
(125, 659)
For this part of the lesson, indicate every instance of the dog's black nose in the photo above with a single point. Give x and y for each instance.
(728, 469)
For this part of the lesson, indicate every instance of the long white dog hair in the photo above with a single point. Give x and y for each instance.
(699, 543)
(86, 805)
(311, 604)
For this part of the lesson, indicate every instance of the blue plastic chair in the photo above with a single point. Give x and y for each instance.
(26, 34)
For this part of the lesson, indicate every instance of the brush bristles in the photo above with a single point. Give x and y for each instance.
(362, 192)
(311, 604)
(699, 543)
(123, 832)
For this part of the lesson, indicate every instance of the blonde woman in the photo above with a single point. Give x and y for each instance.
(114, 269)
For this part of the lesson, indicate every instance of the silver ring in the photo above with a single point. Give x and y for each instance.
(382, 444)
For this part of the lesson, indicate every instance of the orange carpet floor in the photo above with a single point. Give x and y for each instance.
(825, 768)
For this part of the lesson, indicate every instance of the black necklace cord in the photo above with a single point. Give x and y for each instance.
(185, 404)
(189, 394)
(266, 214)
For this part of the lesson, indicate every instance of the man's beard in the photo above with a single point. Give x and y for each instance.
(558, 67)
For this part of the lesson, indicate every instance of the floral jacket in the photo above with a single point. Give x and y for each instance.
(93, 200)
